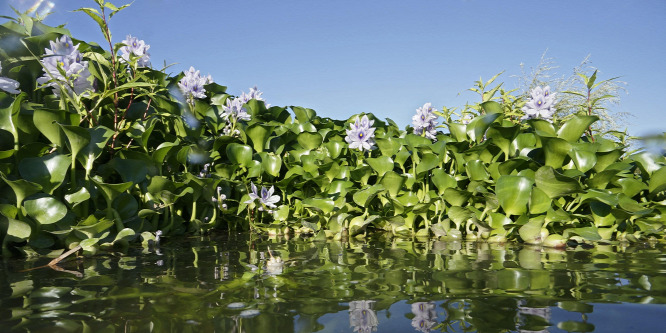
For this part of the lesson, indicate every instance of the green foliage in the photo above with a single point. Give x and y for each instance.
(142, 159)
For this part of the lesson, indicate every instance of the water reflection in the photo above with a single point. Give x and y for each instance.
(240, 284)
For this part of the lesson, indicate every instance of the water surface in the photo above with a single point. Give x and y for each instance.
(238, 283)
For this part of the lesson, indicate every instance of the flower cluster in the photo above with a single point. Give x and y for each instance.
(137, 48)
(253, 94)
(64, 66)
(232, 112)
(192, 84)
(8, 85)
(360, 135)
(424, 121)
(540, 105)
(266, 197)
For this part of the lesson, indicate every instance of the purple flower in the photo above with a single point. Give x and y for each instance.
(8, 85)
(138, 48)
(234, 110)
(64, 56)
(192, 84)
(540, 105)
(266, 196)
(424, 121)
(360, 135)
(253, 94)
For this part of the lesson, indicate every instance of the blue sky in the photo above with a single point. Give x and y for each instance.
(389, 57)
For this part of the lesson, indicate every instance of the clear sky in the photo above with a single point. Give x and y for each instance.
(389, 57)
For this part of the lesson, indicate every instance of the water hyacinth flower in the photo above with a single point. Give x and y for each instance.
(540, 105)
(253, 94)
(265, 197)
(64, 58)
(192, 84)
(8, 85)
(360, 135)
(424, 121)
(136, 47)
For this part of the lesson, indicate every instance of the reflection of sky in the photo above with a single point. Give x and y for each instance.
(345, 57)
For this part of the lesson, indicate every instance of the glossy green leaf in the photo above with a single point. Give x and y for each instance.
(476, 170)
(555, 184)
(540, 202)
(303, 115)
(271, 164)
(458, 131)
(22, 188)
(476, 128)
(393, 183)
(334, 148)
(514, 193)
(583, 159)
(239, 154)
(388, 146)
(657, 182)
(503, 136)
(259, 135)
(428, 161)
(49, 171)
(77, 138)
(363, 197)
(532, 232)
(381, 164)
(443, 180)
(310, 140)
(492, 107)
(555, 150)
(574, 128)
(47, 122)
(99, 136)
(326, 206)
(45, 208)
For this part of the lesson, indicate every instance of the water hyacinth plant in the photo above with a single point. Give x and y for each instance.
(97, 168)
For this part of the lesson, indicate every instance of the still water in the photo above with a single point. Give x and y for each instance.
(239, 283)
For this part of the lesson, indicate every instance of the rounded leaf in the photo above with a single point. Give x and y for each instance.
(239, 154)
(49, 171)
(45, 209)
(513, 193)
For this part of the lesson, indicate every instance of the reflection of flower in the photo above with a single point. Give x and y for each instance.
(8, 85)
(541, 104)
(424, 121)
(362, 317)
(424, 316)
(138, 48)
(266, 197)
(64, 58)
(360, 135)
(274, 265)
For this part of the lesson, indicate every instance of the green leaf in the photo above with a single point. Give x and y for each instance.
(309, 140)
(514, 193)
(555, 151)
(540, 202)
(458, 131)
(554, 184)
(574, 128)
(77, 197)
(492, 107)
(22, 188)
(393, 183)
(334, 148)
(381, 164)
(324, 205)
(47, 122)
(532, 231)
(77, 138)
(657, 182)
(443, 180)
(582, 158)
(49, 171)
(98, 137)
(259, 135)
(428, 162)
(239, 154)
(45, 208)
(363, 197)
(389, 146)
(503, 136)
(414, 141)
(476, 170)
(271, 164)
(18, 230)
(303, 115)
(476, 128)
